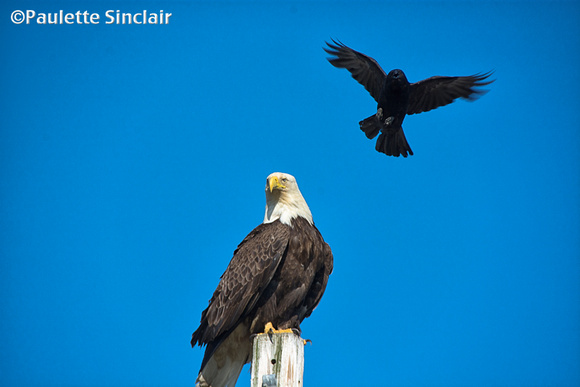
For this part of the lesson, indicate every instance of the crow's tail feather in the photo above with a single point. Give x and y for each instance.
(371, 126)
(392, 142)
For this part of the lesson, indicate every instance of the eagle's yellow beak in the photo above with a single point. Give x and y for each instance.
(274, 183)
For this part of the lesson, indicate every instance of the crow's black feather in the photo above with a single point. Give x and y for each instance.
(396, 97)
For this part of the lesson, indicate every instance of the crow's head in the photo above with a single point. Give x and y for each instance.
(397, 75)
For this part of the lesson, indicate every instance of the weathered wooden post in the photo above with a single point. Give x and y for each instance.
(277, 360)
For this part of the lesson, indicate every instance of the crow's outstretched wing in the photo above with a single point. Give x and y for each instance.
(363, 68)
(437, 91)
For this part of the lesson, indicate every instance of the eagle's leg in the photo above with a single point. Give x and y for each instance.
(380, 114)
(269, 329)
(389, 121)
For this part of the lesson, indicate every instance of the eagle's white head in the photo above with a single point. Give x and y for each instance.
(284, 200)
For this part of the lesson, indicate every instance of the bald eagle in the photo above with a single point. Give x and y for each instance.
(277, 275)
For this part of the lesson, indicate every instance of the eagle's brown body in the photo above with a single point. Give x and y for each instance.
(278, 274)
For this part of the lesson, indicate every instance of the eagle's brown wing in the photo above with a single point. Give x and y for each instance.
(254, 263)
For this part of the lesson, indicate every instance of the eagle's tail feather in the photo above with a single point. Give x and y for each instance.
(223, 375)
(223, 363)
(371, 126)
(393, 142)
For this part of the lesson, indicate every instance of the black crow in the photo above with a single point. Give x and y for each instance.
(396, 97)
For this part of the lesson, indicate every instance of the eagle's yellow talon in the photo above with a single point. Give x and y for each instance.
(269, 329)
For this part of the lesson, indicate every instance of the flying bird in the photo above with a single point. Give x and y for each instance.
(396, 97)
(277, 275)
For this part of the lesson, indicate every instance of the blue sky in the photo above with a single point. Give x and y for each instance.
(133, 160)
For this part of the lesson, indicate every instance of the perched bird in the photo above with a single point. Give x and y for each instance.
(276, 278)
(396, 97)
